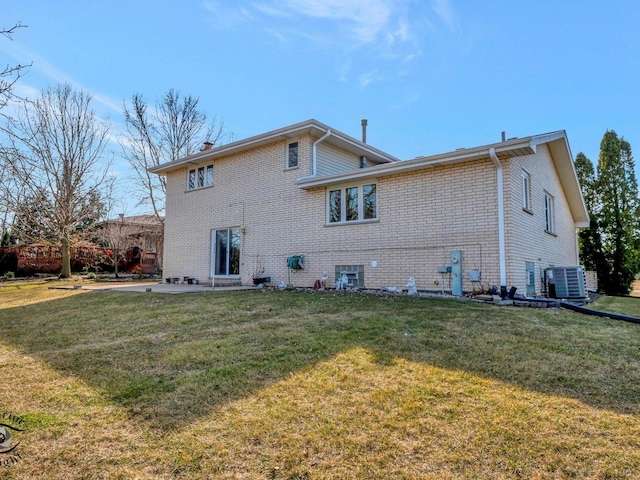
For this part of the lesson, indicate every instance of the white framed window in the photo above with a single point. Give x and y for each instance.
(200, 177)
(292, 155)
(549, 224)
(526, 191)
(353, 203)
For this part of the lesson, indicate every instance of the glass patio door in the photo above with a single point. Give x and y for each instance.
(226, 252)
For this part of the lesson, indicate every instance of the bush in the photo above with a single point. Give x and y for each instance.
(8, 263)
(9, 275)
(91, 276)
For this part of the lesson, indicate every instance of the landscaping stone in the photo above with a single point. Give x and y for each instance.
(538, 305)
(521, 303)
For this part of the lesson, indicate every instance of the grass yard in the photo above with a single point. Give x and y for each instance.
(623, 305)
(292, 385)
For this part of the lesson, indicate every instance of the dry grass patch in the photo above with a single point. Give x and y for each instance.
(296, 385)
(352, 417)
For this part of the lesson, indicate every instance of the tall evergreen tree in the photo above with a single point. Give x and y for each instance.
(618, 213)
(592, 253)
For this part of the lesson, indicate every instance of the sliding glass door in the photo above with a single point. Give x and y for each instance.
(225, 252)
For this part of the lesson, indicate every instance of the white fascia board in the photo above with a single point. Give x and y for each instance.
(239, 145)
(284, 133)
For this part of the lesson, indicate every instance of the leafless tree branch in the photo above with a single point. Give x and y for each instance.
(56, 148)
(174, 129)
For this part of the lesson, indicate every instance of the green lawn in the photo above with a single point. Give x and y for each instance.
(295, 385)
(623, 305)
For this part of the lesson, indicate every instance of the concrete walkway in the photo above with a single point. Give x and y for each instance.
(156, 287)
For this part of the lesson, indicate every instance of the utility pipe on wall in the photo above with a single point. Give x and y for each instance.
(501, 238)
(314, 151)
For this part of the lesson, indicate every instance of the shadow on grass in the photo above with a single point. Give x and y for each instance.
(176, 357)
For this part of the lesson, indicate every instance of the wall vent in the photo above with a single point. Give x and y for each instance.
(355, 274)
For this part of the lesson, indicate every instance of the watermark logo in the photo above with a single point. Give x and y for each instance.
(10, 428)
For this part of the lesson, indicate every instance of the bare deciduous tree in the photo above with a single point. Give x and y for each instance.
(57, 144)
(173, 129)
(11, 73)
(8, 186)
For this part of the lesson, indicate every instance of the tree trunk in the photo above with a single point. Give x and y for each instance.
(66, 259)
(116, 257)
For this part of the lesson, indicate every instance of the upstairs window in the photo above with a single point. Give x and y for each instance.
(526, 191)
(292, 155)
(549, 224)
(200, 177)
(352, 204)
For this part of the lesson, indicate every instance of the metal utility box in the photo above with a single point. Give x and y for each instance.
(569, 282)
(456, 272)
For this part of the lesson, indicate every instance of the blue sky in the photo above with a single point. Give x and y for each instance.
(429, 75)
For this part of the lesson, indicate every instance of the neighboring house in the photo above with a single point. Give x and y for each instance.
(139, 240)
(494, 213)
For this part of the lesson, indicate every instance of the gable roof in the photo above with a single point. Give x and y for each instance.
(311, 127)
(556, 142)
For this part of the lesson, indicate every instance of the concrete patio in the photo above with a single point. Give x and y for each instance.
(157, 287)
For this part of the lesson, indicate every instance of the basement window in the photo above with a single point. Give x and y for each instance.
(354, 273)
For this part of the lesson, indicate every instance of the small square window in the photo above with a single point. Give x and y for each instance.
(292, 155)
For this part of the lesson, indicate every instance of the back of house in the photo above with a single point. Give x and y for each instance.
(307, 201)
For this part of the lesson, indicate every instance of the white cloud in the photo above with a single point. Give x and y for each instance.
(225, 16)
(444, 10)
(367, 18)
(51, 74)
(353, 31)
(368, 77)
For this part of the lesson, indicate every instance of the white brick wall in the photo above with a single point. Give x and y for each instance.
(528, 240)
(422, 217)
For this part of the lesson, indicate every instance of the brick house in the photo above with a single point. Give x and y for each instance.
(498, 214)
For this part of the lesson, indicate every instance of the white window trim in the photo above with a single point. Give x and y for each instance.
(526, 191)
(286, 161)
(343, 199)
(206, 177)
(549, 213)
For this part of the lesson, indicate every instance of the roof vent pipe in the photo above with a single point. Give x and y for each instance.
(364, 130)
(504, 135)
(207, 146)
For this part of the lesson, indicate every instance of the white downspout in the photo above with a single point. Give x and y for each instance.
(313, 151)
(501, 238)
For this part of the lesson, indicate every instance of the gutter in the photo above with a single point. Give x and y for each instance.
(501, 237)
(314, 151)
